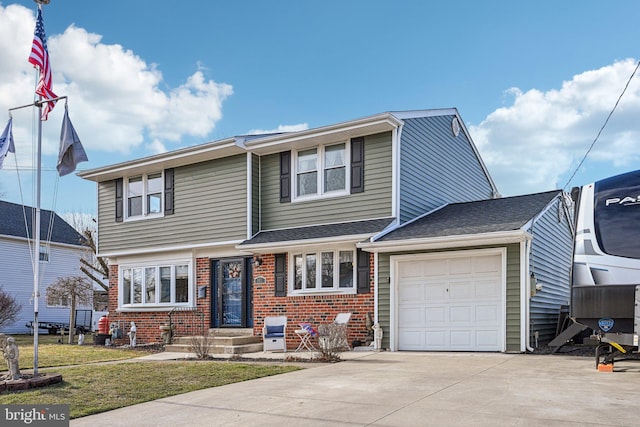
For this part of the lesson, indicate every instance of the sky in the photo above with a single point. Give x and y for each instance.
(534, 82)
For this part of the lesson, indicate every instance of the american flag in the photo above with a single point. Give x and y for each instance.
(40, 59)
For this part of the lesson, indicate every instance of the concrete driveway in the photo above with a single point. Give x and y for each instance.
(409, 389)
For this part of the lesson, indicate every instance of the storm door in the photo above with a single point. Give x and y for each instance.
(230, 305)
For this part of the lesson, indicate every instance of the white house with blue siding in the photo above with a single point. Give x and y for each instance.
(59, 255)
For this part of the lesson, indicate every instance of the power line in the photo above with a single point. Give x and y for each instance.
(602, 128)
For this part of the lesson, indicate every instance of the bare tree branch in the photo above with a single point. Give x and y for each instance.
(97, 267)
(76, 289)
(94, 278)
(9, 309)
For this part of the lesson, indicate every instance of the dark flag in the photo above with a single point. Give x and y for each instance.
(71, 150)
(6, 142)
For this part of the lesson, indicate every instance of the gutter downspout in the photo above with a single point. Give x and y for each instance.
(395, 172)
(525, 252)
(375, 288)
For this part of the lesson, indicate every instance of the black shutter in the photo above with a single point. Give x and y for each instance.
(168, 191)
(285, 176)
(363, 271)
(357, 165)
(281, 275)
(119, 200)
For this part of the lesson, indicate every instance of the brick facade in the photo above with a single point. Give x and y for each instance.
(315, 309)
(187, 323)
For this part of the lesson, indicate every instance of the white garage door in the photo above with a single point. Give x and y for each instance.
(451, 304)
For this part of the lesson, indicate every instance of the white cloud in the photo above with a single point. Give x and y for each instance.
(532, 144)
(280, 129)
(156, 147)
(116, 99)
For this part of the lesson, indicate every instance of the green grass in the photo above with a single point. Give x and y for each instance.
(98, 388)
(92, 387)
(51, 354)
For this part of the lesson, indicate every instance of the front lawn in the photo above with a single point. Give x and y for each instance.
(91, 389)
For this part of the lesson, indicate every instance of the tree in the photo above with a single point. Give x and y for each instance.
(96, 268)
(76, 290)
(9, 309)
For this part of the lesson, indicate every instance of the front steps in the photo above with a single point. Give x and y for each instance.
(221, 341)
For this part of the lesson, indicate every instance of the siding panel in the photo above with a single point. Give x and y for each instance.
(210, 205)
(384, 297)
(374, 202)
(550, 260)
(513, 298)
(437, 167)
(17, 280)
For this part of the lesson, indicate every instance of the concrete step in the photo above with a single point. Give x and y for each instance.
(216, 340)
(221, 341)
(217, 349)
(230, 332)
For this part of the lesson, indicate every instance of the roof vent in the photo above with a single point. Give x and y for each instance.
(455, 127)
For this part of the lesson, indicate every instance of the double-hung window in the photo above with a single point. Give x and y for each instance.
(144, 195)
(324, 270)
(57, 301)
(155, 285)
(44, 253)
(321, 171)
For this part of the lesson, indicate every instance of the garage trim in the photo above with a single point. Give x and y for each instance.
(395, 260)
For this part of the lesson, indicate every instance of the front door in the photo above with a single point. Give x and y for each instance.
(230, 302)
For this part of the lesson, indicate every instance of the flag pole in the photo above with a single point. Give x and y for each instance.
(71, 152)
(36, 246)
(36, 226)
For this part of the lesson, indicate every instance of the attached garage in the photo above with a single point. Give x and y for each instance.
(451, 301)
(489, 275)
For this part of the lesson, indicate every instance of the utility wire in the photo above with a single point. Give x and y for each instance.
(602, 128)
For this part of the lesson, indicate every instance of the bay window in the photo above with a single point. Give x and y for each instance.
(155, 285)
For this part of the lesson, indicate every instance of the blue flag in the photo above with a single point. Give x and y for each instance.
(71, 150)
(6, 142)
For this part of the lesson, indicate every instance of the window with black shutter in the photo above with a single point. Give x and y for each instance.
(285, 176)
(168, 192)
(281, 275)
(363, 286)
(119, 200)
(357, 165)
(145, 196)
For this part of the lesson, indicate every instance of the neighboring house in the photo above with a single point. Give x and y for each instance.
(59, 256)
(225, 233)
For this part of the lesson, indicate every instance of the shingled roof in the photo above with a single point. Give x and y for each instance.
(319, 231)
(13, 224)
(484, 216)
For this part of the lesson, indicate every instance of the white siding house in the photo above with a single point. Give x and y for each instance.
(59, 257)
